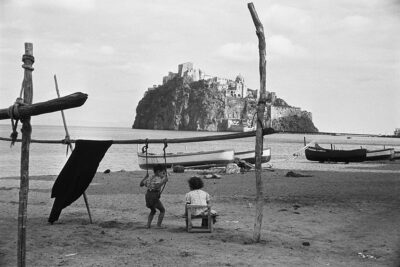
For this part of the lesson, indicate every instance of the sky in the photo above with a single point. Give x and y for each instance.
(338, 59)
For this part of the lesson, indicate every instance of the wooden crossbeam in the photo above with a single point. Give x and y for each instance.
(57, 104)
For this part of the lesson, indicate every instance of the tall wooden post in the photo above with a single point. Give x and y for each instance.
(260, 118)
(28, 60)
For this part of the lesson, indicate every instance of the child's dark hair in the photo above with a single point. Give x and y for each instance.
(195, 183)
(158, 168)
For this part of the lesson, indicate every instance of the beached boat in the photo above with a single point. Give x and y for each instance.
(249, 156)
(381, 154)
(215, 158)
(320, 154)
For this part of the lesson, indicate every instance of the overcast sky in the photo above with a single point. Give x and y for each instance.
(338, 59)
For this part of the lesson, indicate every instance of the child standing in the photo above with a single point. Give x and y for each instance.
(196, 196)
(153, 193)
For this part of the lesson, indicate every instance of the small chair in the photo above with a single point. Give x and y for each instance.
(189, 217)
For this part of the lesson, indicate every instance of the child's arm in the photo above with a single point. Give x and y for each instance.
(164, 180)
(143, 180)
(208, 199)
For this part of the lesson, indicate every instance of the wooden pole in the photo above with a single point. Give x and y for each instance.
(66, 102)
(28, 60)
(260, 118)
(265, 131)
(70, 145)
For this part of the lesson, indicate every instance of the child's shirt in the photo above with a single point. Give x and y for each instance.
(154, 183)
(198, 197)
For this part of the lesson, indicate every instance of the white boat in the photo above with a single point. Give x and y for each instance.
(381, 154)
(215, 158)
(250, 156)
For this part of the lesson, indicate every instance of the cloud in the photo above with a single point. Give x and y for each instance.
(279, 45)
(106, 50)
(66, 50)
(77, 5)
(242, 52)
(356, 22)
(285, 18)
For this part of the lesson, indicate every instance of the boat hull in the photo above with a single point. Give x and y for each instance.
(330, 155)
(217, 158)
(250, 156)
(381, 154)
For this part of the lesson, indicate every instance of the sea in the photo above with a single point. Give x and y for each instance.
(48, 159)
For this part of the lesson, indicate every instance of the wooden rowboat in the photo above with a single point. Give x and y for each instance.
(250, 156)
(320, 154)
(381, 154)
(215, 158)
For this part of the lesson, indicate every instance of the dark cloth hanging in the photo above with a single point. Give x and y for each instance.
(77, 174)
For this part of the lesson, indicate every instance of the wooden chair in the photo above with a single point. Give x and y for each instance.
(189, 217)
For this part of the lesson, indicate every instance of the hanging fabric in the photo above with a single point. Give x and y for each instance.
(77, 174)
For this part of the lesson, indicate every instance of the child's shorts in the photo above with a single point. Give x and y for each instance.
(152, 198)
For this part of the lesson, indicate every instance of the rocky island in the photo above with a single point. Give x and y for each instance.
(192, 100)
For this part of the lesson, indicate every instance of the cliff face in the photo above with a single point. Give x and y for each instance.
(181, 104)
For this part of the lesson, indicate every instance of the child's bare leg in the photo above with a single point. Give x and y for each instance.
(161, 208)
(150, 218)
(160, 218)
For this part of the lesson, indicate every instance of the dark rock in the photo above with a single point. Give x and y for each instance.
(295, 174)
(178, 169)
(107, 171)
(181, 104)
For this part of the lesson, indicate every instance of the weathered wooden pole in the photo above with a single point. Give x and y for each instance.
(66, 102)
(23, 111)
(28, 60)
(70, 145)
(260, 118)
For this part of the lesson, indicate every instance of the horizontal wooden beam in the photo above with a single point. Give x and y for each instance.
(57, 104)
(266, 131)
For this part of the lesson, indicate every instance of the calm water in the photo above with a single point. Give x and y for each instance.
(48, 159)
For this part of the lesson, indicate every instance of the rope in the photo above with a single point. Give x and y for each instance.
(67, 141)
(15, 117)
(252, 120)
(165, 163)
(144, 150)
(295, 154)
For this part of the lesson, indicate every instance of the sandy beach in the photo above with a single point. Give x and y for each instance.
(342, 215)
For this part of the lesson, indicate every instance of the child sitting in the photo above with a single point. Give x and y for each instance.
(196, 196)
(153, 193)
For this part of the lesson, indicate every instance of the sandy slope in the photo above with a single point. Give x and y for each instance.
(349, 214)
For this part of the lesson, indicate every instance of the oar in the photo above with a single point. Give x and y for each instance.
(70, 146)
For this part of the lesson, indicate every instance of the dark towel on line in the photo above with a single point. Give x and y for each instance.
(77, 174)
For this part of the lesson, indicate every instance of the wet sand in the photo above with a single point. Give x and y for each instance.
(342, 215)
